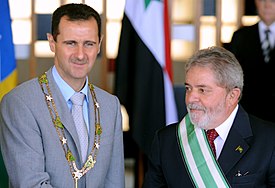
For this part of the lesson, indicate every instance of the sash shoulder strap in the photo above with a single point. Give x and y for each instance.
(198, 157)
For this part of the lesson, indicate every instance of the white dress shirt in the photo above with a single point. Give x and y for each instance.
(262, 29)
(223, 131)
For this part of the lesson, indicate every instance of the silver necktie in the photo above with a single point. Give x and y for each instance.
(77, 112)
(266, 46)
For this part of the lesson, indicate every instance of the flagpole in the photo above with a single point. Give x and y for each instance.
(167, 39)
(198, 13)
(104, 68)
(33, 40)
(240, 12)
(218, 22)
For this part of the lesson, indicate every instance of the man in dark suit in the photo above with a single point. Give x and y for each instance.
(248, 45)
(241, 153)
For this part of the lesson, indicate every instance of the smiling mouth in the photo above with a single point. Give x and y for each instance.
(78, 63)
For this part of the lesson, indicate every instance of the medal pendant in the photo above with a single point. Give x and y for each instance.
(77, 175)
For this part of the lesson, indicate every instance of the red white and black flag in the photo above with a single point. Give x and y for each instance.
(143, 69)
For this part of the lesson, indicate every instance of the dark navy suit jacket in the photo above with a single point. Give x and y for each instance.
(166, 167)
(259, 77)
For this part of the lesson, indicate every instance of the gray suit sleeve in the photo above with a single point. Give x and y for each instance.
(21, 144)
(115, 177)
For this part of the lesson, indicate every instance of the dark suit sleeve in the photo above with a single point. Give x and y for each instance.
(3, 173)
(235, 43)
(154, 176)
(271, 171)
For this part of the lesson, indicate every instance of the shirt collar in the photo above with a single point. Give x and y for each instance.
(225, 127)
(263, 26)
(65, 89)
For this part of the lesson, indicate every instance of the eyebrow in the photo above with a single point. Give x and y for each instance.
(199, 85)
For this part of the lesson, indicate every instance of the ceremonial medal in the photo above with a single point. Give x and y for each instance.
(91, 160)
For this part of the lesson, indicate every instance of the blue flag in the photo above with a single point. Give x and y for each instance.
(8, 74)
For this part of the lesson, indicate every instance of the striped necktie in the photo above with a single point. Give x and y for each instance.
(81, 128)
(266, 46)
(211, 136)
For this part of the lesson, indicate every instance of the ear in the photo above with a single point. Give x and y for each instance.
(51, 42)
(99, 46)
(234, 95)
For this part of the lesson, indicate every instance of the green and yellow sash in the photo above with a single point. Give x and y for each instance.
(199, 159)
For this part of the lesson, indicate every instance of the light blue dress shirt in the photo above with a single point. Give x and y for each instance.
(68, 92)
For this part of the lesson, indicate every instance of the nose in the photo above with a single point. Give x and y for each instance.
(80, 52)
(191, 96)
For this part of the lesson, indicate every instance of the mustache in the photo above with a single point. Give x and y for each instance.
(193, 106)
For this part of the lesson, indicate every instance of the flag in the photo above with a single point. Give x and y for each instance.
(143, 81)
(8, 73)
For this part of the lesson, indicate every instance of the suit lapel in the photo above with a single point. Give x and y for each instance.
(91, 121)
(63, 111)
(237, 142)
(272, 55)
(256, 38)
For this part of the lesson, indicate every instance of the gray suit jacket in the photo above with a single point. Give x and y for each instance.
(31, 149)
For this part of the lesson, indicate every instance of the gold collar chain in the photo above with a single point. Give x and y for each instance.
(91, 159)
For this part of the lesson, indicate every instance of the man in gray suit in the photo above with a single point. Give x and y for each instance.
(39, 136)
